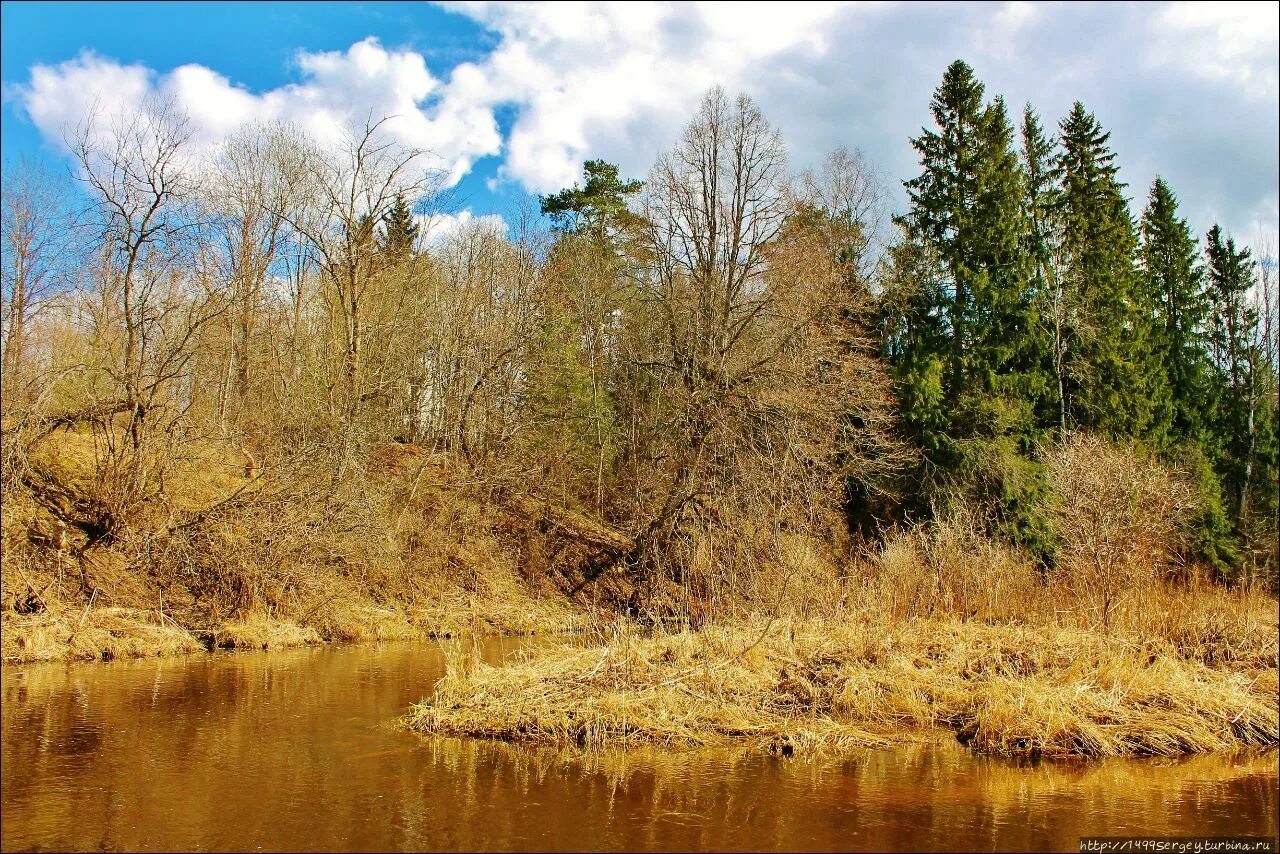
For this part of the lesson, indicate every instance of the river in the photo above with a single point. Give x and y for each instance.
(299, 750)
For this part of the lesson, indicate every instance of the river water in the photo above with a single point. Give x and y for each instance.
(299, 750)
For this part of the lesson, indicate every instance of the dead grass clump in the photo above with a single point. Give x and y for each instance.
(634, 692)
(821, 685)
(258, 631)
(948, 567)
(361, 622)
(1164, 709)
(104, 633)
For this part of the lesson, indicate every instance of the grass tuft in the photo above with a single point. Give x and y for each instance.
(824, 685)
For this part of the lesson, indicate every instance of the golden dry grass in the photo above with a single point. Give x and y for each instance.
(258, 631)
(205, 472)
(786, 686)
(99, 632)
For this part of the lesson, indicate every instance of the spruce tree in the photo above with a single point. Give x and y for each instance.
(966, 207)
(972, 370)
(1234, 323)
(916, 339)
(1175, 287)
(400, 232)
(1041, 201)
(1009, 344)
(941, 210)
(1107, 385)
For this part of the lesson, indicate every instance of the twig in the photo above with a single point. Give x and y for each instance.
(92, 597)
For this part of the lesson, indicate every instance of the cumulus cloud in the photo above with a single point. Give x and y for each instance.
(439, 227)
(59, 98)
(339, 89)
(619, 79)
(1189, 90)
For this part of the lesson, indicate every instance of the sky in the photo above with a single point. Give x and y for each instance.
(510, 98)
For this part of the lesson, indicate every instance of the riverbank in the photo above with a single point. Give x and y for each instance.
(68, 634)
(229, 561)
(815, 685)
(284, 731)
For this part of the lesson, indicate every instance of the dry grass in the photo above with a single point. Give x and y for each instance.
(104, 633)
(948, 568)
(498, 602)
(784, 686)
(258, 631)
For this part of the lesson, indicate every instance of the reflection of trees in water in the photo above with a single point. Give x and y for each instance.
(295, 750)
(914, 796)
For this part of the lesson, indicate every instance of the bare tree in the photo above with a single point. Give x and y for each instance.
(36, 239)
(476, 320)
(743, 294)
(153, 298)
(848, 186)
(351, 188)
(1261, 388)
(257, 181)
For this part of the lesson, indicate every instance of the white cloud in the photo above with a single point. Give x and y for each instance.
(58, 99)
(1231, 41)
(1189, 90)
(338, 89)
(618, 79)
(438, 228)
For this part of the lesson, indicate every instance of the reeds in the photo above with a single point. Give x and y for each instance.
(786, 686)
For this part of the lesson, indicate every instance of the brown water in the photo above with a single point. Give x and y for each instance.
(298, 750)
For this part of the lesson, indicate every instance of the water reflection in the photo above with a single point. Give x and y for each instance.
(296, 750)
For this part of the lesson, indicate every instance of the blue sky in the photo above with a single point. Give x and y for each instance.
(514, 97)
(254, 44)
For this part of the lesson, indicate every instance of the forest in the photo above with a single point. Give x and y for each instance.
(732, 413)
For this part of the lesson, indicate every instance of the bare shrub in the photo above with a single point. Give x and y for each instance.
(1121, 517)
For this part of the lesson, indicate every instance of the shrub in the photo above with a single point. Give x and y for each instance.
(1123, 518)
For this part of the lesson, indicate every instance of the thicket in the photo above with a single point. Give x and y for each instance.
(711, 392)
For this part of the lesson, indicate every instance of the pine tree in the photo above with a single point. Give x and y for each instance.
(598, 205)
(567, 386)
(1175, 287)
(400, 232)
(1107, 387)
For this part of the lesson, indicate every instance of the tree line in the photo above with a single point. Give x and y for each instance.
(1024, 301)
(702, 367)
